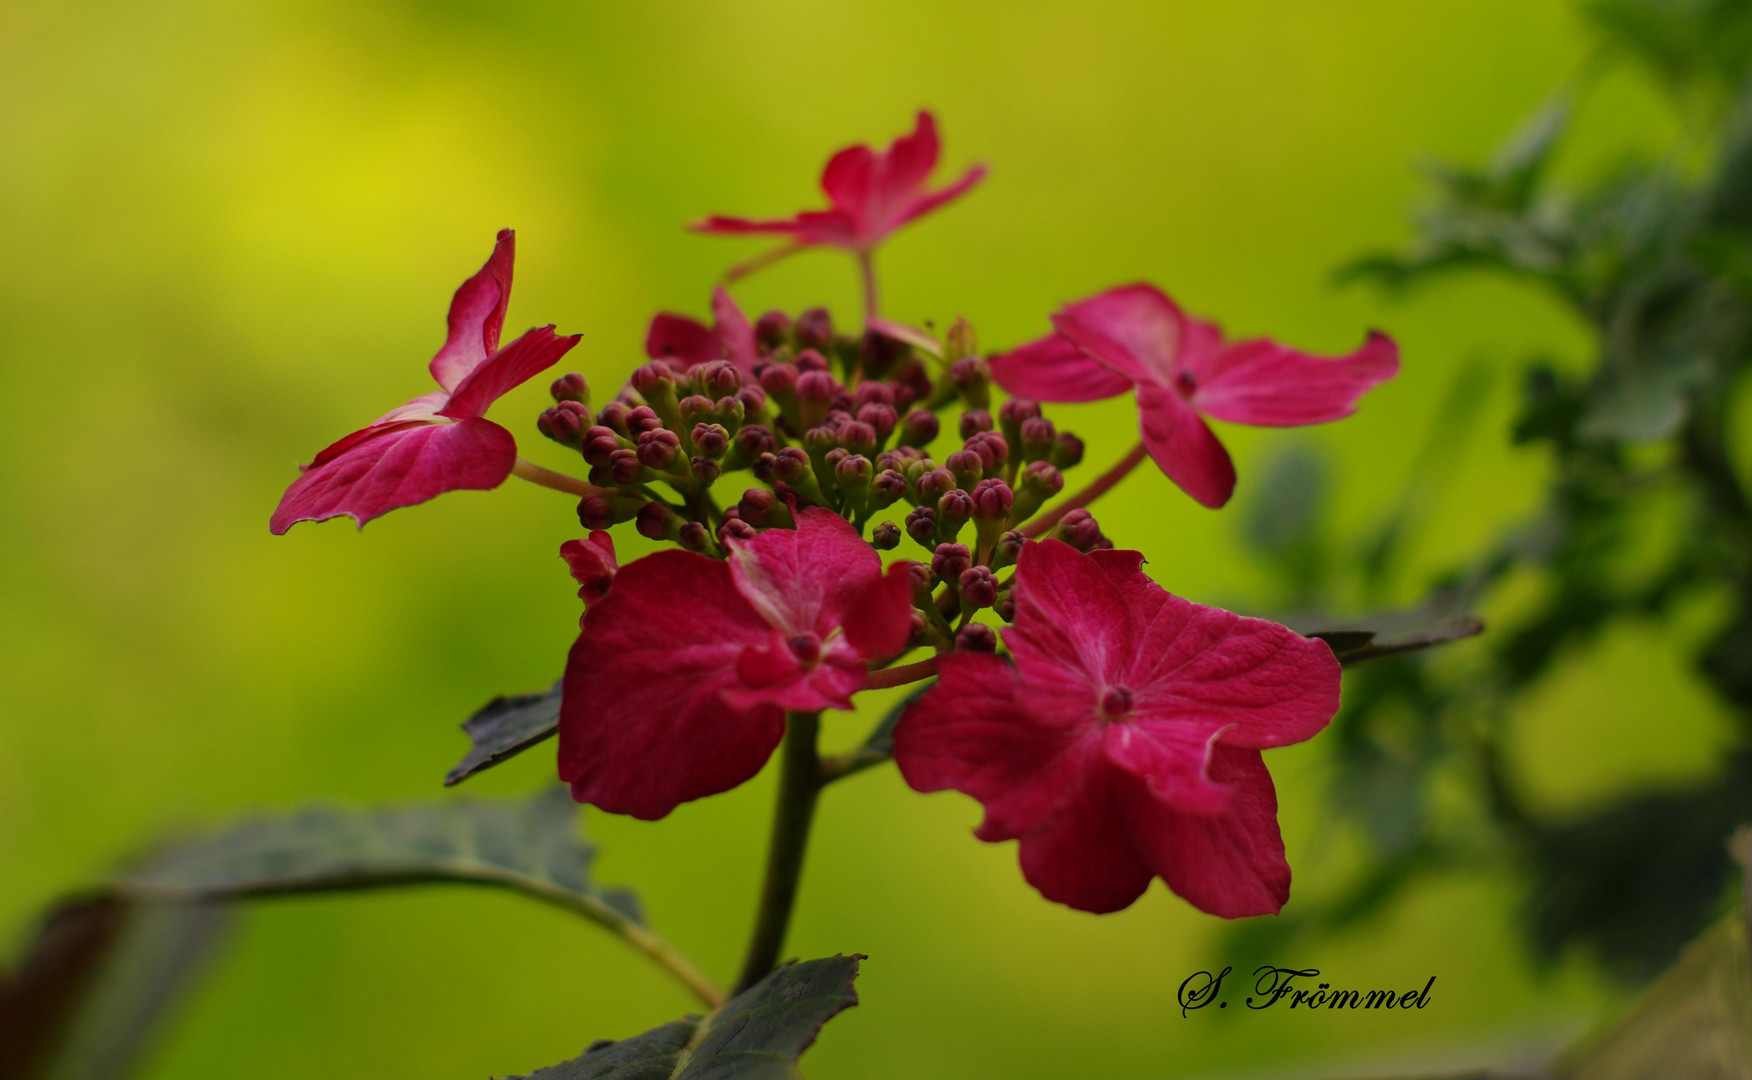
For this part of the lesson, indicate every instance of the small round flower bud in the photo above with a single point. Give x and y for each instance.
(730, 412)
(711, 440)
(819, 440)
(817, 386)
(972, 378)
(858, 437)
(833, 457)
(704, 469)
(933, 484)
(779, 380)
(658, 448)
(885, 536)
(695, 409)
(652, 379)
(571, 387)
(655, 521)
(854, 470)
(1005, 608)
(992, 499)
(1016, 411)
(959, 341)
(764, 466)
(754, 440)
(978, 587)
(1067, 450)
(763, 510)
(624, 467)
(598, 443)
(921, 525)
(791, 465)
(564, 423)
(919, 428)
(716, 379)
(949, 560)
(1039, 481)
(977, 637)
(880, 417)
(966, 467)
(771, 329)
(736, 529)
(993, 451)
(642, 419)
(878, 353)
(753, 400)
(888, 488)
(815, 329)
(614, 416)
(695, 537)
(1078, 529)
(923, 581)
(602, 510)
(809, 360)
(873, 393)
(953, 511)
(974, 421)
(1008, 549)
(1036, 437)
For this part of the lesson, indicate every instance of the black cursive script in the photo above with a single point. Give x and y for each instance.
(1273, 986)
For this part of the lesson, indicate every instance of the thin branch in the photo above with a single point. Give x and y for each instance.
(535, 474)
(1097, 488)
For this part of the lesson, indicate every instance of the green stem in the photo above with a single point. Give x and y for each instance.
(1097, 488)
(535, 474)
(799, 785)
(867, 272)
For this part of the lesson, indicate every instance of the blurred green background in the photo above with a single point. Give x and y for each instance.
(234, 231)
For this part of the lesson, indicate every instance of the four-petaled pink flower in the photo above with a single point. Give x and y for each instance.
(1136, 338)
(689, 342)
(1124, 742)
(678, 685)
(438, 442)
(872, 194)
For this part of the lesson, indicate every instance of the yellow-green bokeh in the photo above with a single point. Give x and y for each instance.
(232, 230)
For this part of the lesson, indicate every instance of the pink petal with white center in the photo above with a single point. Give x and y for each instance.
(397, 465)
(1266, 384)
(805, 579)
(1184, 447)
(510, 367)
(1134, 329)
(771, 674)
(1230, 864)
(1055, 369)
(677, 337)
(477, 312)
(643, 723)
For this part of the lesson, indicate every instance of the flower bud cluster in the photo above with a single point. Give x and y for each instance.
(824, 418)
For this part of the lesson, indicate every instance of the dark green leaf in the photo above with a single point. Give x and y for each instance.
(877, 747)
(505, 727)
(531, 846)
(95, 983)
(756, 1035)
(1356, 640)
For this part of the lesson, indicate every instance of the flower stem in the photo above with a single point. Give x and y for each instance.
(799, 785)
(867, 271)
(535, 474)
(1097, 488)
(900, 676)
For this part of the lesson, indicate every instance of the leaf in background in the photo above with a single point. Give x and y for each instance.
(95, 983)
(1372, 637)
(877, 747)
(1521, 162)
(531, 846)
(505, 727)
(757, 1035)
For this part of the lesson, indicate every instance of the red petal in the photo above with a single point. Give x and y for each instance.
(477, 312)
(1229, 864)
(849, 179)
(1072, 635)
(809, 227)
(643, 723)
(1134, 329)
(882, 622)
(677, 337)
(398, 465)
(1172, 757)
(732, 331)
(1263, 683)
(509, 368)
(922, 204)
(1055, 369)
(592, 564)
(1264, 383)
(909, 160)
(806, 579)
(1184, 446)
(771, 675)
(1082, 856)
